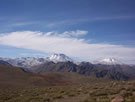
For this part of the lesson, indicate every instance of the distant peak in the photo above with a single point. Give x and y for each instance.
(110, 61)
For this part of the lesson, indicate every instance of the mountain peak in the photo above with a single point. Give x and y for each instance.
(109, 61)
(59, 58)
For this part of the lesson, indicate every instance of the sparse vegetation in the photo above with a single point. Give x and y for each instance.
(89, 93)
(19, 86)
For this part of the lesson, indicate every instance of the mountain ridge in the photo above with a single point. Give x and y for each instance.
(28, 62)
(113, 72)
(62, 63)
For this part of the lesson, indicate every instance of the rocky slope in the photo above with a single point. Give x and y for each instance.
(113, 72)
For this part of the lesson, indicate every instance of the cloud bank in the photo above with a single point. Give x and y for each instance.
(51, 42)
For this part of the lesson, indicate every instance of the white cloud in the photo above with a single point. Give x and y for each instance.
(75, 33)
(50, 33)
(70, 46)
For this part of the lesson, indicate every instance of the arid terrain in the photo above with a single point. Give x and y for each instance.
(16, 85)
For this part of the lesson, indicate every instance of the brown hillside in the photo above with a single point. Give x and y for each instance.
(12, 77)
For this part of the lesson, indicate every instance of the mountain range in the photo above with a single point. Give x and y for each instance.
(108, 68)
(28, 62)
(114, 72)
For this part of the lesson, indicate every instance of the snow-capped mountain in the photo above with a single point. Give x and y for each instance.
(59, 58)
(25, 62)
(105, 68)
(28, 62)
(108, 61)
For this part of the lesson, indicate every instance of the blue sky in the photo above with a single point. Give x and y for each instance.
(109, 22)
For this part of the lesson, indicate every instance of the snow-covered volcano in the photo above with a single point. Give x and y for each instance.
(59, 58)
(109, 61)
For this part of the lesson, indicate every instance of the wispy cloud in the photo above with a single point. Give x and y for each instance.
(32, 55)
(22, 23)
(76, 33)
(71, 46)
(113, 18)
(90, 19)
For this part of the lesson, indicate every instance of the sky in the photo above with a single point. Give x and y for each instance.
(85, 30)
